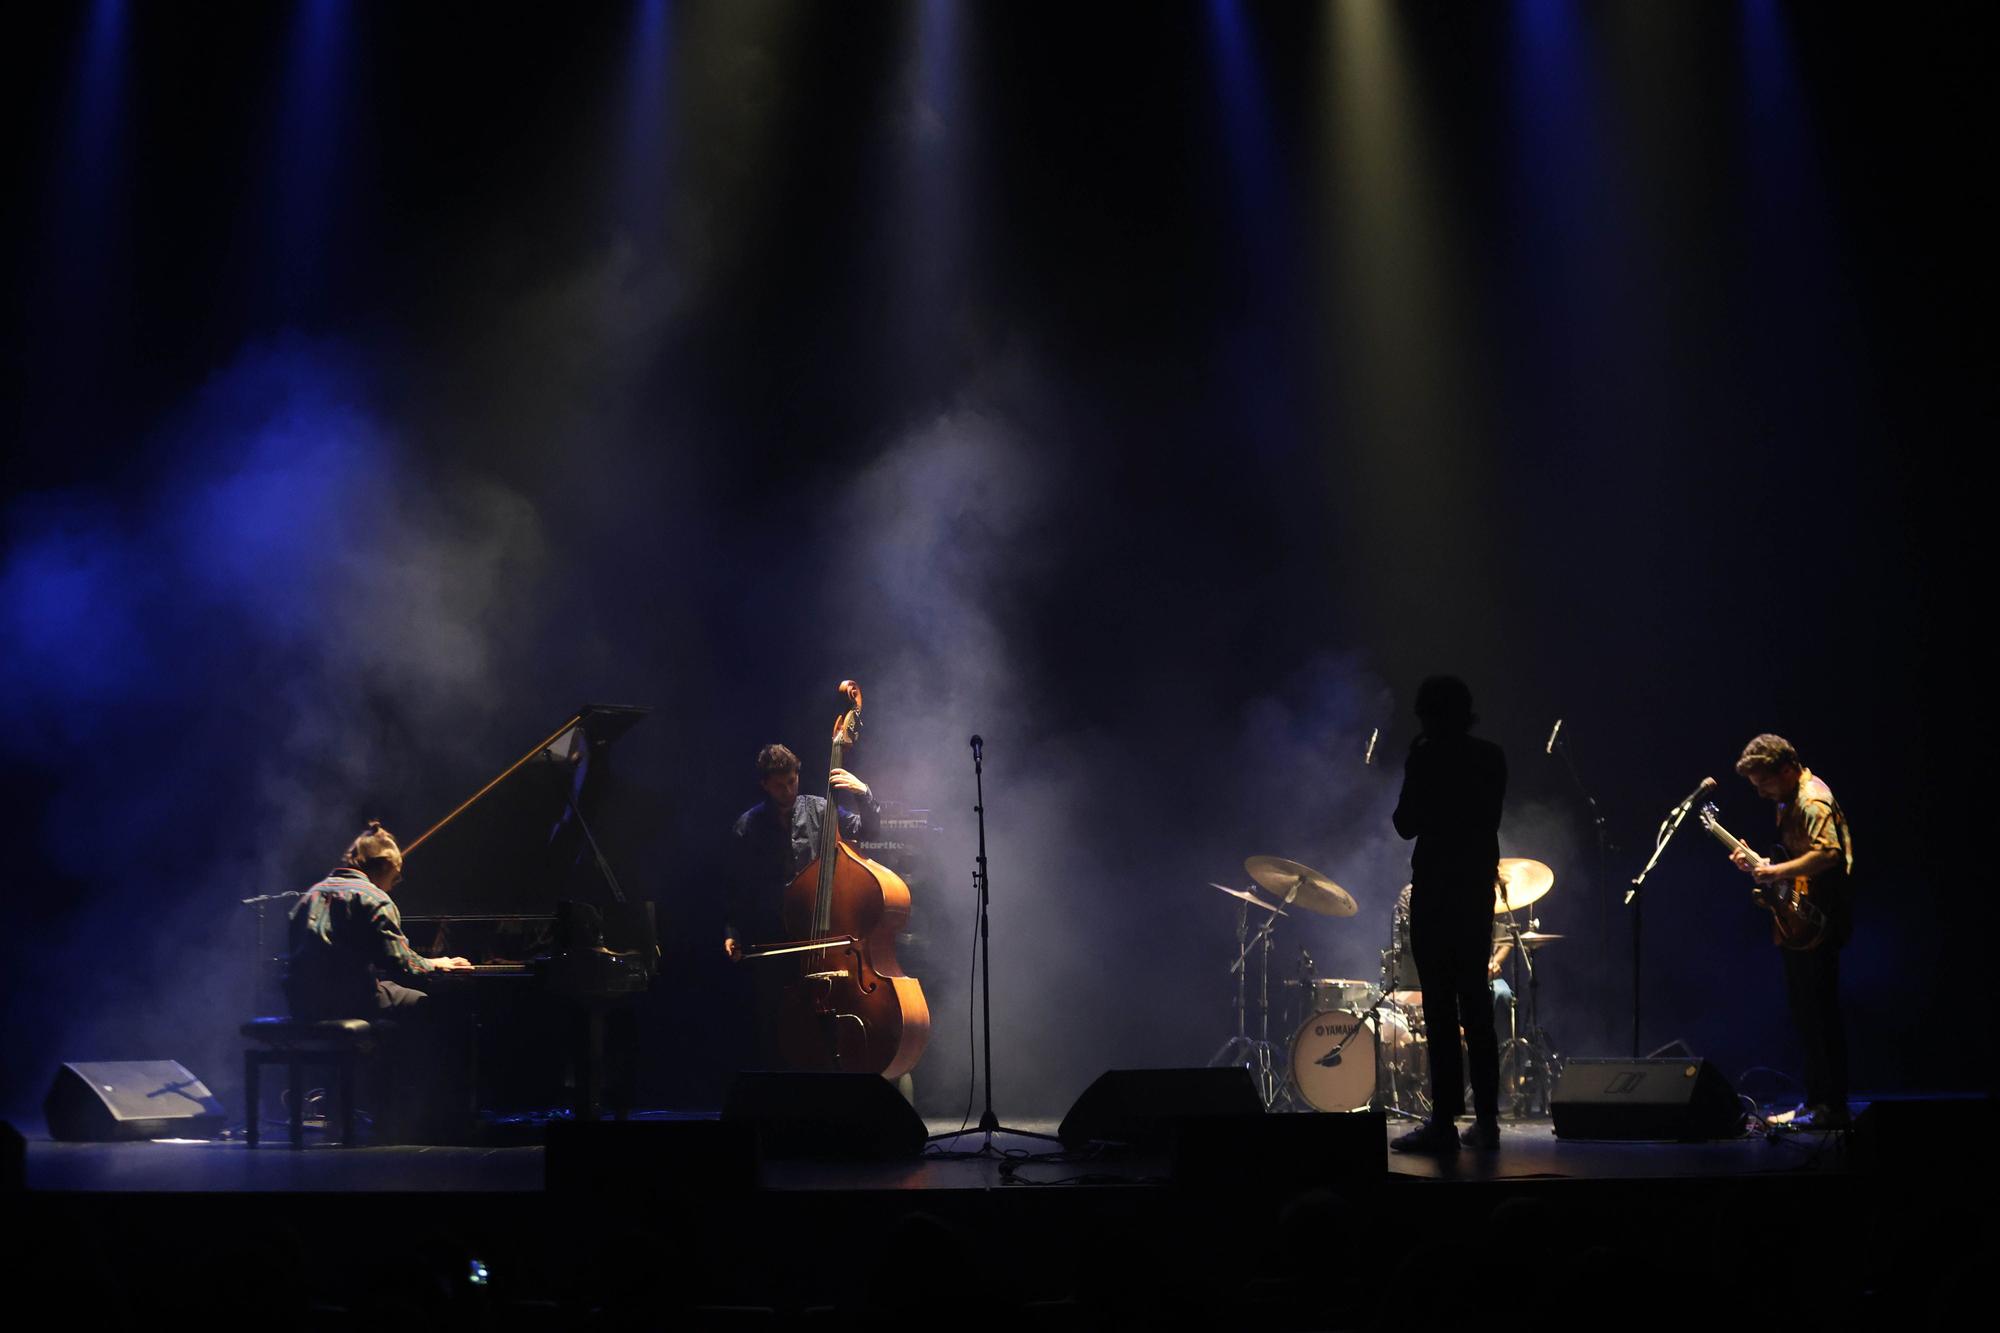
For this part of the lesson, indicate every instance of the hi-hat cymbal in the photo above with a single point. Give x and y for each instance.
(1291, 882)
(1531, 938)
(1247, 897)
(1520, 882)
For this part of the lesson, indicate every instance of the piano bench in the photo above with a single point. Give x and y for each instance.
(338, 1044)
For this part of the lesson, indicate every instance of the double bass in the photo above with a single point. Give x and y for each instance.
(850, 1007)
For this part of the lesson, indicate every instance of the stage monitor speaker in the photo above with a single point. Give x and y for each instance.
(1147, 1108)
(99, 1101)
(1685, 1100)
(798, 1114)
(695, 1158)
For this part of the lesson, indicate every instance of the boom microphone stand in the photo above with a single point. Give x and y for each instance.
(1668, 827)
(989, 1123)
(1607, 847)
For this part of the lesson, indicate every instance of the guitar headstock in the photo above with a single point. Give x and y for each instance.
(1708, 816)
(847, 727)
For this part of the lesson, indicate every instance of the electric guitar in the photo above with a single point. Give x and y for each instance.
(1796, 922)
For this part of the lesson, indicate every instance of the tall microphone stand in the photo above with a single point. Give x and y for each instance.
(989, 1123)
(1607, 847)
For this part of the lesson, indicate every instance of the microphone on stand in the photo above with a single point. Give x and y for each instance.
(978, 746)
(1554, 731)
(1707, 786)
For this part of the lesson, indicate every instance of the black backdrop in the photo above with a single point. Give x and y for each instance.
(1160, 391)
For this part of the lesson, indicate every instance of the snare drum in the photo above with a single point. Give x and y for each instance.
(1333, 1061)
(1324, 993)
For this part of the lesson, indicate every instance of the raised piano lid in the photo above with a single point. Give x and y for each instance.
(517, 849)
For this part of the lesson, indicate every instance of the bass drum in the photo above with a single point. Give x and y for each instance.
(1333, 1061)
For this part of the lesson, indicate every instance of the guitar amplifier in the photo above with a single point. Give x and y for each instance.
(1685, 1100)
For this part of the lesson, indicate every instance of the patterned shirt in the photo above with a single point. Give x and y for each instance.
(342, 930)
(1814, 821)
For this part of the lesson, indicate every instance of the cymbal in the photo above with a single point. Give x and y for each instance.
(1294, 883)
(1247, 897)
(1530, 938)
(1521, 882)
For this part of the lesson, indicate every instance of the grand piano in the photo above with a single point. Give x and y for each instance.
(515, 881)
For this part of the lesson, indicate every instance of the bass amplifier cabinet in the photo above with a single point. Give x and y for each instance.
(130, 1099)
(1684, 1100)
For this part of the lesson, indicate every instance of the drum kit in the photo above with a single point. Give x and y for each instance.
(1357, 1045)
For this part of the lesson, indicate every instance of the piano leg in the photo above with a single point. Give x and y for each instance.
(591, 1085)
(621, 1057)
(252, 1122)
(605, 1056)
(347, 1101)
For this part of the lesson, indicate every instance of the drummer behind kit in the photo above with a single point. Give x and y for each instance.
(1357, 1045)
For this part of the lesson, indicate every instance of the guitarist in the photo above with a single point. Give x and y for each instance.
(1818, 848)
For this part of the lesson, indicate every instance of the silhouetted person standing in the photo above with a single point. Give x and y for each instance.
(1453, 786)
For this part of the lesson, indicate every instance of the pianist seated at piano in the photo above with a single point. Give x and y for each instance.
(348, 956)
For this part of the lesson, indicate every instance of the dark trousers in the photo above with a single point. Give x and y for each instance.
(1451, 936)
(1812, 982)
(408, 1088)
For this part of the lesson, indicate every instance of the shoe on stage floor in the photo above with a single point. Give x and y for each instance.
(1818, 1117)
(1483, 1135)
(1433, 1136)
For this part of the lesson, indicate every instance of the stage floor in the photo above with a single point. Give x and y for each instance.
(1084, 1240)
(1529, 1151)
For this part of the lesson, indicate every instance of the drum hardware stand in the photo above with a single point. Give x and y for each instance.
(1391, 1099)
(1240, 1049)
(1535, 1063)
(989, 1123)
(1386, 1101)
(1288, 1089)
